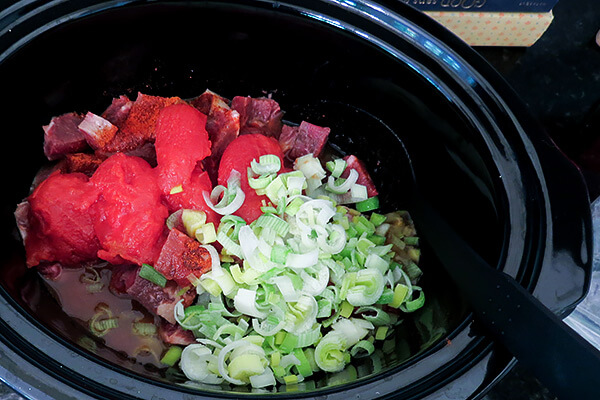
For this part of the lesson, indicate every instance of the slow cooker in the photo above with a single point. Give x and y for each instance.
(385, 78)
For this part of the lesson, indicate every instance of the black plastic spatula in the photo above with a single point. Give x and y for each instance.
(560, 358)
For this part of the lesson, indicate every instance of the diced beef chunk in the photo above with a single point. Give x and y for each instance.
(118, 111)
(207, 100)
(159, 301)
(222, 125)
(181, 142)
(139, 126)
(50, 270)
(62, 136)
(258, 115)
(175, 334)
(363, 176)
(122, 278)
(61, 229)
(129, 217)
(238, 156)
(82, 162)
(98, 132)
(182, 256)
(300, 140)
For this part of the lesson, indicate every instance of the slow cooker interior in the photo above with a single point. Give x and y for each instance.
(318, 73)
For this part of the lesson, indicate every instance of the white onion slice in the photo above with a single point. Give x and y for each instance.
(232, 207)
(302, 260)
(284, 284)
(344, 187)
(245, 302)
(214, 259)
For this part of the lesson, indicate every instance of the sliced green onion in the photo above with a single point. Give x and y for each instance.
(369, 204)
(279, 254)
(192, 221)
(143, 329)
(176, 189)
(199, 364)
(374, 315)
(415, 304)
(149, 273)
(171, 356)
(364, 348)
(377, 219)
(400, 294)
(381, 333)
(330, 352)
(345, 186)
(273, 222)
(304, 367)
(367, 288)
(336, 167)
(267, 164)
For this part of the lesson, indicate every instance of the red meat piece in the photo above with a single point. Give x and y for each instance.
(159, 301)
(300, 140)
(51, 271)
(140, 124)
(118, 111)
(192, 196)
(182, 256)
(96, 130)
(181, 142)
(62, 136)
(60, 228)
(122, 278)
(363, 176)
(238, 156)
(129, 217)
(175, 334)
(258, 115)
(222, 125)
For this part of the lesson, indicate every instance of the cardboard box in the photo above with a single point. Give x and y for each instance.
(495, 28)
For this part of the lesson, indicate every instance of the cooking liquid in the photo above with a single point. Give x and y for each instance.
(80, 303)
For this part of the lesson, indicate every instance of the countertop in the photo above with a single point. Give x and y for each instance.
(558, 78)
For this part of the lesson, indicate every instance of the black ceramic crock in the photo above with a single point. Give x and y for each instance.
(382, 76)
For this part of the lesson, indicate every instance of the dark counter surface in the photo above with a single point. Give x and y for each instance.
(558, 78)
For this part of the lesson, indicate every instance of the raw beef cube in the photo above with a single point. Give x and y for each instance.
(118, 111)
(182, 259)
(363, 176)
(139, 126)
(50, 271)
(122, 278)
(159, 301)
(258, 115)
(62, 136)
(222, 125)
(304, 139)
(175, 334)
(98, 132)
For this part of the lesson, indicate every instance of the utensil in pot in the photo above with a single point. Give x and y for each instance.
(556, 354)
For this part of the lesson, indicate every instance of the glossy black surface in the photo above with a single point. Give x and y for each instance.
(557, 78)
(471, 154)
